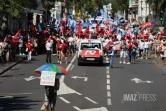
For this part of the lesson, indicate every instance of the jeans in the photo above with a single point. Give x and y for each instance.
(129, 55)
(29, 55)
(48, 58)
(111, 60)
(21, 50)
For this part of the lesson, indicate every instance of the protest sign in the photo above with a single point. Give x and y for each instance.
(48, 78)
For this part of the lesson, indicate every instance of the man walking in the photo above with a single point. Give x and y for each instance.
(48, 51)
(111, 54)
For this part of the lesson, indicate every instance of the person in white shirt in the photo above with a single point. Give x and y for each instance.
(48, 51)
(20, 45)
(146, 48)
(141, 48)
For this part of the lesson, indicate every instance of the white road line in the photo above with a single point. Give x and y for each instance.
(107, 71)
(108, 76)
(108, 81)
(68, 67)
(108, 87)
(107, 68)
(108, 94)
(109, 102)
(63, 99)
(91, 100)
(75, 107)
(72, 67)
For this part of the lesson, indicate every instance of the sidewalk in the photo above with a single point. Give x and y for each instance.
(7, 66)
(158, 62)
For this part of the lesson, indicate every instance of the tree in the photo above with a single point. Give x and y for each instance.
(16, 7)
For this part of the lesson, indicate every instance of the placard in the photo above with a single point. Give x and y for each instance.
(47, 78)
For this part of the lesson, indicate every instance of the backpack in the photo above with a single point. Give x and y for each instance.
(133, 50)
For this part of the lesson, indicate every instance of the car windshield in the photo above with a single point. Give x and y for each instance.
(90, 46)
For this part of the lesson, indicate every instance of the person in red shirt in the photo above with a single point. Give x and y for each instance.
(64, 50)
(29, 50)
(129, 50)
(59, 46)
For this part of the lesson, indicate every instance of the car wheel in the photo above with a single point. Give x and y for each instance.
(101, 63)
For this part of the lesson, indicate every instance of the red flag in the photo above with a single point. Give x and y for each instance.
(97, 29)
(86, 30)
(79, 28)
(16, 38)
(5, 38)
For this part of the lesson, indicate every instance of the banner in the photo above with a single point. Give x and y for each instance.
(90, 53)
(47, 78)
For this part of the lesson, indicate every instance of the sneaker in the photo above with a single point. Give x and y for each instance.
(60, 62)
(20, 54)
(66, 62)
(128, 63)
(146, 58)
(124, 62)
(120, 62)
(141, 58)
(23, 54)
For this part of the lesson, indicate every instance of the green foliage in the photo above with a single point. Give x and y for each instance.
(119, 5)
(16, 7)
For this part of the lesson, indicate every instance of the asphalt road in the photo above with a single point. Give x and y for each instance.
(136, 87)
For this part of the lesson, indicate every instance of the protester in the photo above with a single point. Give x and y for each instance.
(111, 55)
(48, 51)
(123, 52)
(29, 50)
(65, 47)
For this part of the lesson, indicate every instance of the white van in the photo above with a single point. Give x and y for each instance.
(90, 51)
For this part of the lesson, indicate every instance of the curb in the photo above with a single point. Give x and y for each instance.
(8, 68)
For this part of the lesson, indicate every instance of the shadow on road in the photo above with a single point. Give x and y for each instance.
(17, 103)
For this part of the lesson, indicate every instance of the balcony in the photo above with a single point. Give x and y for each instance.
(134, 3)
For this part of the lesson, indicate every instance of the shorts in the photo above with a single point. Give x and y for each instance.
(65, 54)
(122, 54)
(146, 50)
(51, 100)
(59, 53)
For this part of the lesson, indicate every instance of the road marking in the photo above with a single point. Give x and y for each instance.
(108, 84)
(91, 100)
(14, 94)
(109, 102)
(108, 81)
(72, 67)
(108, 87)
(75, 107)
(6, 97)
(31, 78)
(108, 94)
(107, 71)
(63, 99)
(92, 109)
(43, 107)
(85, 78)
